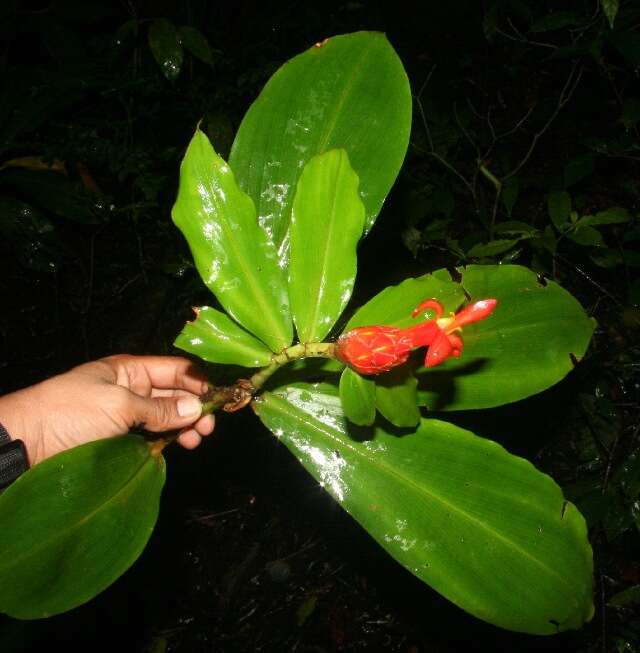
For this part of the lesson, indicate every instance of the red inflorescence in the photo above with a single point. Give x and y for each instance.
(372, 350)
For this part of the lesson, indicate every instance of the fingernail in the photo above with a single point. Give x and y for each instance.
(189, 406)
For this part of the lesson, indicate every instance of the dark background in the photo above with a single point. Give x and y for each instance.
(249, 554)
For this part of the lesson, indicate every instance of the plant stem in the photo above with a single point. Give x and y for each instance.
(238, 395)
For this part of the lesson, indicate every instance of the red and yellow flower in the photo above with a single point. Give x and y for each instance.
(371, 350)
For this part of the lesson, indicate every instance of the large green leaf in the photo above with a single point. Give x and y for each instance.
(348, 92)
(529, 343)
(326, 224)
(74, 523)
(482, 527)
(216, 338)
(234, 257)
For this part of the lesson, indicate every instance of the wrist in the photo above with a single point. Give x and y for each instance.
(18, 415)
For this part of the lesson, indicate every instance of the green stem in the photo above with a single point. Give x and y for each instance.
(236, 396)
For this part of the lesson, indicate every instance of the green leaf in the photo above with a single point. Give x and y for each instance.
(559, 205)
(215, 338)
(348, 92)
(526, 345)
(358, 397)
(326, 224)
(510, 192)
(588, 236)
(610, 9)
(74, 523)
(233, 255)
(393, 306)
(607, 257)
(194, 41)
(492, 248)
(397, 397)
(614, 215)
(516, 227)
(165, 47)
(482, 527)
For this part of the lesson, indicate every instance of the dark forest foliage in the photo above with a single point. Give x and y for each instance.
(525, 148)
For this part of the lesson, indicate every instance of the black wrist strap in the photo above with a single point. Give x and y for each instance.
(13, 459)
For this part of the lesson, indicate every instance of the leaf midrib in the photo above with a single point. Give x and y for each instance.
(16, 560)
(421, 490)
(249, 274)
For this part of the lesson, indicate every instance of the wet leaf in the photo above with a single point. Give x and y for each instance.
(326, 224)
(525, 346)
(349, 92)
(358, 397)
(482, 527)
(216, 338)
(165, 47)
(233, 255)
(74, 523)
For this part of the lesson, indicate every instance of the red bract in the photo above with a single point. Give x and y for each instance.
(375, 349)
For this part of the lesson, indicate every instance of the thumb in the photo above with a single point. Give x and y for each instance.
(166, 413)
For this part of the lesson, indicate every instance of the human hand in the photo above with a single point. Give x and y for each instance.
(106, 398)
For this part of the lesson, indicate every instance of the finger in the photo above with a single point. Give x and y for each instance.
(162, 372)
(174, 372)
(205, 425)
(164, 413)
(163, 392)
(190, 439)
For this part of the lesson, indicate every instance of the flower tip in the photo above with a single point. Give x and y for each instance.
(475, 312)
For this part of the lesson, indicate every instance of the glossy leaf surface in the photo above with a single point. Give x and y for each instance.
(233, 255)
(326, 224)
(482, 527)
(216, 338)
(393, 305)
(165, 47)
(358, 397)
(349, 92)
(74, 523)
(397, 397)
(525, 346)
